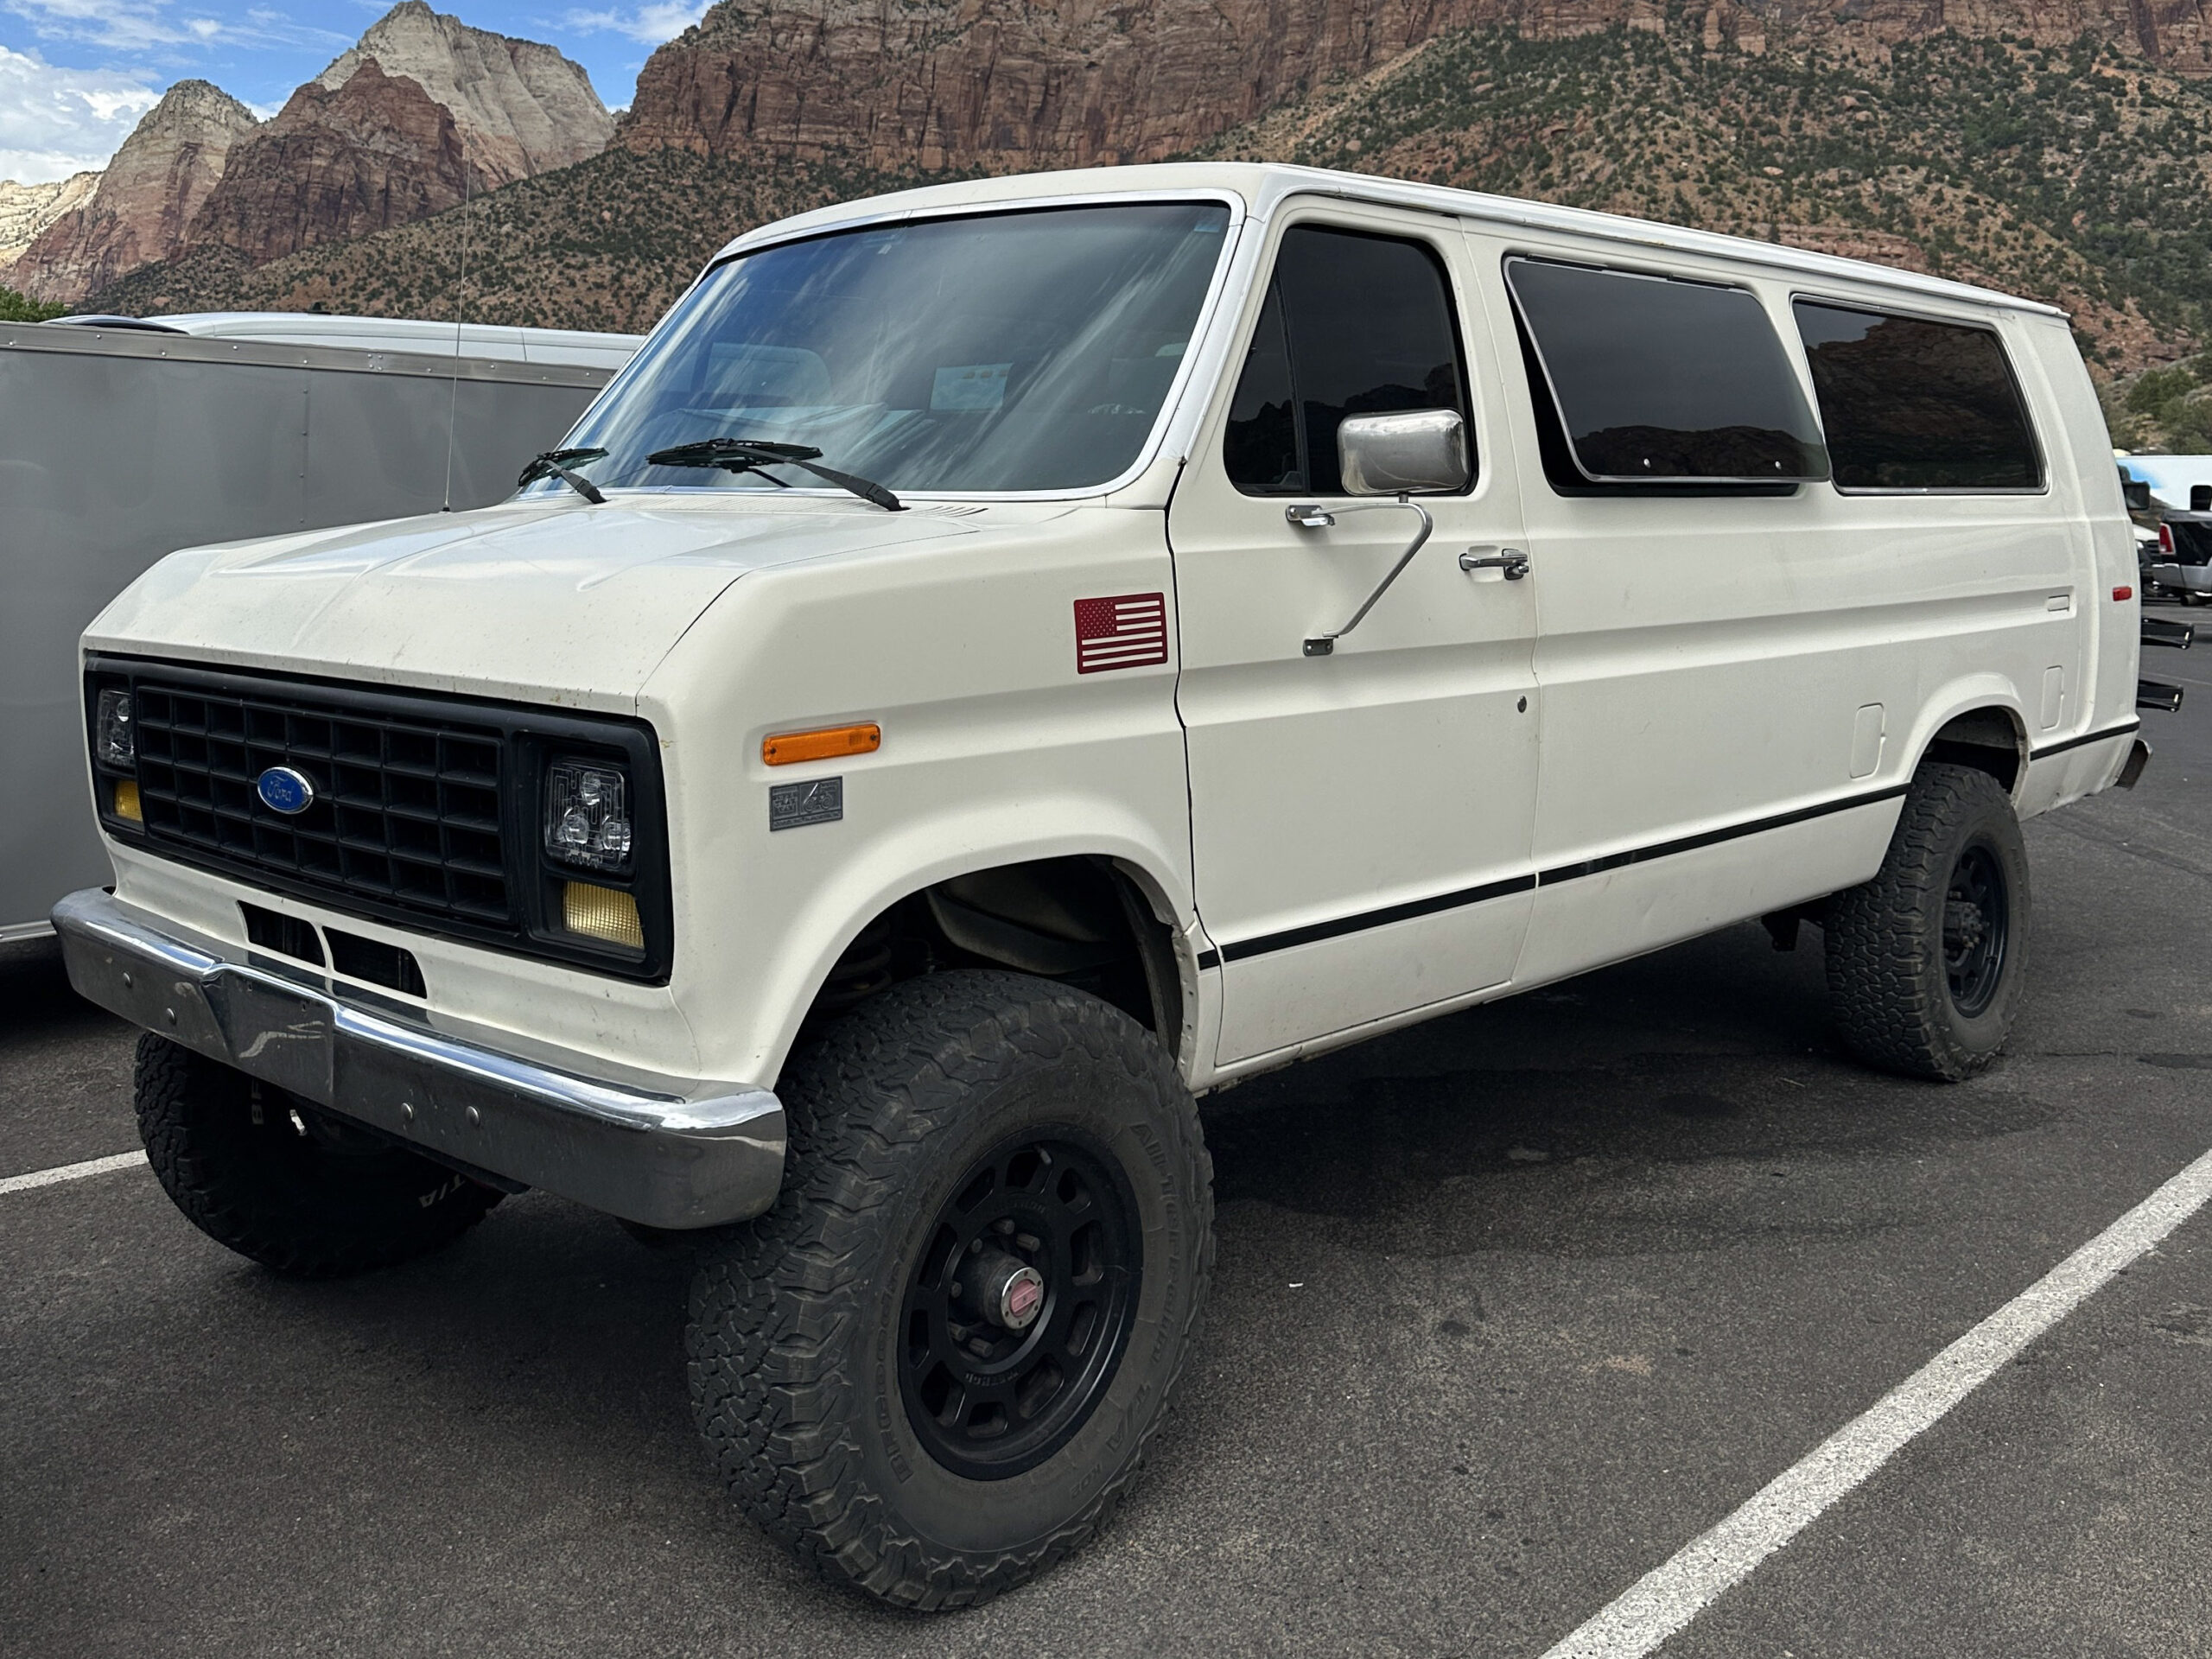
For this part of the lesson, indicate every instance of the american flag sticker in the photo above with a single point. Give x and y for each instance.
(1130, 631)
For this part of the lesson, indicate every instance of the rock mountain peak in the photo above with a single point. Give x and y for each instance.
(422, 110)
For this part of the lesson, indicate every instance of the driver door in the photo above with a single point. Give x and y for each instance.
(1361, 820)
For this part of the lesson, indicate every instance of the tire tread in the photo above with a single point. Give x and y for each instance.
(769, 1389)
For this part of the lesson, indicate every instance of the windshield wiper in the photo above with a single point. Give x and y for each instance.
(751, 455)
(555, 463)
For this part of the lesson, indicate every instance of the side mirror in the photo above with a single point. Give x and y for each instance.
(2135, 492)
(2200, 497)
(1421, 450)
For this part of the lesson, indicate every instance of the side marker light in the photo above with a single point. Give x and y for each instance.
(833, 743)
(2123, 592)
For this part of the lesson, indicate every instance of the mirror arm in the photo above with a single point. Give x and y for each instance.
(1312, 517)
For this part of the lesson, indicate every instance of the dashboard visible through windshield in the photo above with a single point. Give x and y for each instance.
(1019, 351)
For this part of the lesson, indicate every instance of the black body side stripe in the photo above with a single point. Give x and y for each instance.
(1714, 837)
(1239, 949)
(2120, 730)
(1365, 919)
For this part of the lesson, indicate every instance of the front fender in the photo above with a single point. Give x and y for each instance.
(915, 854)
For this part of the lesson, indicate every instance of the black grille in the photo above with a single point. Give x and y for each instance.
(406, 812)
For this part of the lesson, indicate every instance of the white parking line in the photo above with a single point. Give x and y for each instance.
(70, 1173)
(1669, 1596)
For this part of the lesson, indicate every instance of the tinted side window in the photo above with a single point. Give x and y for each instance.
(1655, 378)
(1352, 325)
(1910, 404)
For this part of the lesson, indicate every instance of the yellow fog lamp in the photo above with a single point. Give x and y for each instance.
(601, 913)
(125, 800)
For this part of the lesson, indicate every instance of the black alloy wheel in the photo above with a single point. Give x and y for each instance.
(1976, 919)
(1018, 1309)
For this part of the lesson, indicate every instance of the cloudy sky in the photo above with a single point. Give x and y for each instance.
(76, 74)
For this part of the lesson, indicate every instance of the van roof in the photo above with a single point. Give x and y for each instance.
(1263, 186)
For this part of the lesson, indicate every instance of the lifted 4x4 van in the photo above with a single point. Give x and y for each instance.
(1008, 658)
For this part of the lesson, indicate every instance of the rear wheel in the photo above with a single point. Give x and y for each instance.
(1925, 962)
(277, 1179)
(936, 1366)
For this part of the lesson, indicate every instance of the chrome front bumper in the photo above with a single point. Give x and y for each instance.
(668, 1151)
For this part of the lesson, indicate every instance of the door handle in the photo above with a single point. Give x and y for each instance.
(1510, 560)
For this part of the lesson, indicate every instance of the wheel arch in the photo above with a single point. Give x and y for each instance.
(1976, 723)
(925, 860)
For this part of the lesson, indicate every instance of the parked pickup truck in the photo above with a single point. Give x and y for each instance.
(1008, 658)
(2182, 562)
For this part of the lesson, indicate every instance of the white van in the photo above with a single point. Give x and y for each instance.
(1010, 657)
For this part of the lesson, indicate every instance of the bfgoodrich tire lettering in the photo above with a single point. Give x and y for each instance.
(798, 1320)
(284, 1184)
(1925, 962)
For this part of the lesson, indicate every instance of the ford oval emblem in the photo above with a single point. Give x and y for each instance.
(282, 790)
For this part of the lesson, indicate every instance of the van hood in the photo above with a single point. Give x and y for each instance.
(542, 602)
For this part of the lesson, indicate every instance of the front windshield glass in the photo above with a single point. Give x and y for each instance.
(1017, 351)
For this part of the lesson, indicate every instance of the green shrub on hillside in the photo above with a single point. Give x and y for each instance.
(14, 308)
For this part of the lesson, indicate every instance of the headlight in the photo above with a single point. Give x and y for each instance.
(588, 815)
(116, 738)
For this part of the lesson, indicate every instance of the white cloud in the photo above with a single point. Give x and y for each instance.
(54, 122)
(147, 25)
(124, 25)
(663, 20)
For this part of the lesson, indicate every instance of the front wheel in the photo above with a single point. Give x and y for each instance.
(1925, 962)
(936, 1366)
(279, 1180)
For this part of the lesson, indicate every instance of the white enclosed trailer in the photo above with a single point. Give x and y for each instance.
(122, 441)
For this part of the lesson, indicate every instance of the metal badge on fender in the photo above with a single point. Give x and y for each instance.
(793, 807)
(1130, 631)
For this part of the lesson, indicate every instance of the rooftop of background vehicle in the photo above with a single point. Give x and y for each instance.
(1265, 187)
(421, 336)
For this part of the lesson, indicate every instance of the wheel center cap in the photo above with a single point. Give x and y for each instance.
(1020, 1299)
(1009, 1291)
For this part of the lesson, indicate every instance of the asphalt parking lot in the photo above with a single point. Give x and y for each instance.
(1510, 1307)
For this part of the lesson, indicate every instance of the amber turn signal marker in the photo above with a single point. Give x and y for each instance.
(833, 744)
(126, 801)
(601, 913)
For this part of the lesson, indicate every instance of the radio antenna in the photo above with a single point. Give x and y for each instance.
(459, 304)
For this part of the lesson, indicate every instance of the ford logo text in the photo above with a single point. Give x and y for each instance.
(282, 790)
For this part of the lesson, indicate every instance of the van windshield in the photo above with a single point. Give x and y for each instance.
(1014, 351)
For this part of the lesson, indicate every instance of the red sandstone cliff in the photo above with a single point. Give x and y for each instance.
(382, 136)
(376, 152)
(143, 205)
(1007, 84)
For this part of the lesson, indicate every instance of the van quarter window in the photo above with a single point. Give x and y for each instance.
(1352, 325)
(1656, 378)
(1910, 404)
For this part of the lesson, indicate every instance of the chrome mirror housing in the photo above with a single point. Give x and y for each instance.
(1412, 452)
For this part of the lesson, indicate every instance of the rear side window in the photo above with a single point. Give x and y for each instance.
(1352, 325)
(1661, 380)
(1912, 404)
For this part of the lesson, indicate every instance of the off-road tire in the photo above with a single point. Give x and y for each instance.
(1888, 985)
(795, 1318)
(313, 1200)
